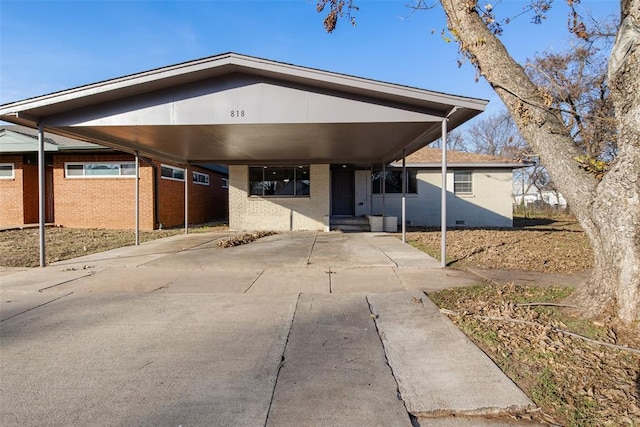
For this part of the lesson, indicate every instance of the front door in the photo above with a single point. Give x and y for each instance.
(342, 192)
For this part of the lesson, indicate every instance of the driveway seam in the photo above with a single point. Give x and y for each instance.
(284, 350)
(254, 282)
(37, 306)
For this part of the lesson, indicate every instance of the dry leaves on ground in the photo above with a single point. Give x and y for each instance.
(575, 382)
(243, 239)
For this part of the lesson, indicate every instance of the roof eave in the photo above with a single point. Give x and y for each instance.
(25, 112)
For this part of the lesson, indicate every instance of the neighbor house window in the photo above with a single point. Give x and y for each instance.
(393, 181)
(225, 182)
(462, 182)
(100, 170)
(279, 181)
(200, 178)
(7, 171)
(171, 172)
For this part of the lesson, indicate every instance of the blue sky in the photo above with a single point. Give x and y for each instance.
(46, 46)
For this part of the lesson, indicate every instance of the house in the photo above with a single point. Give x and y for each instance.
(292, 136)
(478, 189)
(92, 186)
(539, 198)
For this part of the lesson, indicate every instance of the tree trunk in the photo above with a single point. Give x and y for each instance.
(608, 210)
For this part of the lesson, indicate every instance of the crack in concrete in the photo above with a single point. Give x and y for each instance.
(374, 317)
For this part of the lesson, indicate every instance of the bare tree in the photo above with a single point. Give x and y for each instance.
(607, 205)
(575, 83)
(455, 141)
(497, 135)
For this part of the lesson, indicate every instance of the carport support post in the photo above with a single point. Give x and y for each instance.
(383, 179)
(443, 207)
(186, 199)
(137, 198)
(41, 193)
(404, 195)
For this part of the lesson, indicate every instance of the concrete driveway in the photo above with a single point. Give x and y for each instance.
(317, 329)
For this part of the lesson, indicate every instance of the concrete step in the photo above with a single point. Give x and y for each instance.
(350, 224)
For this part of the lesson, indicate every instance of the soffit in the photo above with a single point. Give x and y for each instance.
(237, 109)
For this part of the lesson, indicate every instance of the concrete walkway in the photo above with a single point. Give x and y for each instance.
(318, 329)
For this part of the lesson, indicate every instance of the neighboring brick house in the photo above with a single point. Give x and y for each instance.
(90, 186)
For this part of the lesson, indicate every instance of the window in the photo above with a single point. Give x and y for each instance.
(225, 182)
(462, 182)
(200, 178)
(393, 181)
(171, 172)
(100, 170)
(7, 171)
(279, 181)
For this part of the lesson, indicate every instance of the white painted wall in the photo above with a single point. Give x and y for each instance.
(278, 213)
(363, 192)
(490, 205)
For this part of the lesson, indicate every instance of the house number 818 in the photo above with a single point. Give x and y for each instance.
(237, 113)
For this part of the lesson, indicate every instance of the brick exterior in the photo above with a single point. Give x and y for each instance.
(101, 202)
(30, 186)
(206, 202)
(278, 213)
(11, 191)
(107, 202)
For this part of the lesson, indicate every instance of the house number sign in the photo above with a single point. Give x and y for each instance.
(237, 113)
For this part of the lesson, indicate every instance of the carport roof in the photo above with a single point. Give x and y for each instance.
(233, 108)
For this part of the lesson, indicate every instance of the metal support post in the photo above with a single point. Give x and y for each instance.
(186, 199)
(404, 196)
(137, 198)
(443, 207)
(41, 194)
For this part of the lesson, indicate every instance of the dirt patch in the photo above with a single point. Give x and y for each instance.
(534, 245)
(20, 248)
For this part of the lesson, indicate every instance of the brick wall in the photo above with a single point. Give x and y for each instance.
(101, 202)
(272, 213)
(105, 202)
(12, 208)
(29, 189)
(206, 202)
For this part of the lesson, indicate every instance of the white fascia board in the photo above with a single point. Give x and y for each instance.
(462, 165)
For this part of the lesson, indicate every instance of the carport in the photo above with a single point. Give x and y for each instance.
(240, 110)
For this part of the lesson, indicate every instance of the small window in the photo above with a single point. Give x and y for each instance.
(280, 181)
(393, 181)
(225, 182)
(200, 178)
(7, 171)
(100, 170)
(462, 182)
(171, 172)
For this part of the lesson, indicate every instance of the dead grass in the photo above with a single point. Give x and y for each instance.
(574, 382)
(20, 248)
(547, 246)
